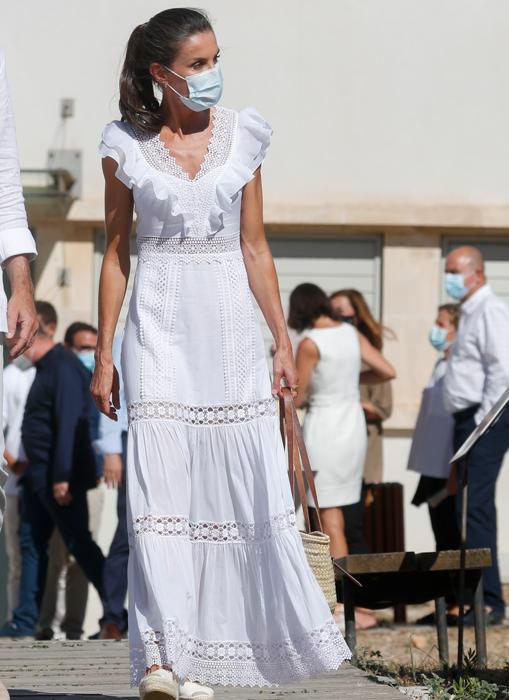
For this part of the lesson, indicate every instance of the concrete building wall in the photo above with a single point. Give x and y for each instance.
(375, 105)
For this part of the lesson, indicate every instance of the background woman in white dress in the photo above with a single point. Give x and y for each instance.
(329, 365)
(219, 587)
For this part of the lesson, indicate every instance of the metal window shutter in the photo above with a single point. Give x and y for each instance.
(331, 263)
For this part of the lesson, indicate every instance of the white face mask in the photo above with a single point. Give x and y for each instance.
(205, 88)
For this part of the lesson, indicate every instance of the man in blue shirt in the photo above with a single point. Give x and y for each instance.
(61, 467)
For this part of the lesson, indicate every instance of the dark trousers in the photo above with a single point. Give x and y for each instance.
(354, 525)
(444, 524)
(483, 462)
(40, 514)
(443, 516)
(115, 566)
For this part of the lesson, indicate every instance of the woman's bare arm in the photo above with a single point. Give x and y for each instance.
(112, 285)
(307, 358)
(263, 280)
(380, 370)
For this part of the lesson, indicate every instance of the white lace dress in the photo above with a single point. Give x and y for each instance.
(219, 587)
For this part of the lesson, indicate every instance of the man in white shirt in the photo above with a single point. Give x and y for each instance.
(17, 247)
(477, 374)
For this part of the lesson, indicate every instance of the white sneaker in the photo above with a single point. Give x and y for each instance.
(159, 685)
(188, 690)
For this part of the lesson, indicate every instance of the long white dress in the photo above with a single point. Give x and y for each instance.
(219, 587)
(335, 427)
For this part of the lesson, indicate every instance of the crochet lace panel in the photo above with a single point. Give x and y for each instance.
(228, 414)
(229, 531)
(160, 157)
(239, 663)
(150, 247)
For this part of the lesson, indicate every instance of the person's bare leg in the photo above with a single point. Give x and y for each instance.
(334, 525)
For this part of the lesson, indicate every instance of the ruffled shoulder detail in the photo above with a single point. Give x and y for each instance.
(119, 142)
(250, 144)
(250, 141)
(254, 135)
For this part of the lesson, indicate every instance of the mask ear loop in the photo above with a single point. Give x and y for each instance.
(175, 91)
(167, 84)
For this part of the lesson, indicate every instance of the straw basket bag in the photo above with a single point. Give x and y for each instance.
(316, 543)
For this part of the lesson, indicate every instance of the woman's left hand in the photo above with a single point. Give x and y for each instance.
(284, 368)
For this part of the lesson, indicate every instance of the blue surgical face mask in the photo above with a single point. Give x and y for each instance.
(88, 359)
(205, 88)
(438, 338)
(455, 285)
(23, 363)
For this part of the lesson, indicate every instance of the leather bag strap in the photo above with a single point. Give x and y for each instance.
(298, 460)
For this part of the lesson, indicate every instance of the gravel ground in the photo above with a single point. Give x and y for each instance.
(417, 645)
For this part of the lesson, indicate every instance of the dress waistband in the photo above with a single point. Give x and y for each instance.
(148, 245)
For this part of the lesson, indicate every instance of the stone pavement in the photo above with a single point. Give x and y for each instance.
(77, 669)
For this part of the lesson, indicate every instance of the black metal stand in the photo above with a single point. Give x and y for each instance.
(461, 467)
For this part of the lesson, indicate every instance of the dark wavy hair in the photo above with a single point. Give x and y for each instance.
(307, 303)
(155, 41)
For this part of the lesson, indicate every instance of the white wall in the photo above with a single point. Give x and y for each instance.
(371, 101)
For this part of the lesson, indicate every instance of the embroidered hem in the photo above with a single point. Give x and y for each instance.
(240, 663)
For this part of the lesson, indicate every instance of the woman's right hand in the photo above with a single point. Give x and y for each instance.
(105, 388)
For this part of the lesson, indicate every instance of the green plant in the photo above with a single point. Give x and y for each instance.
(464, 688)
(446, 684)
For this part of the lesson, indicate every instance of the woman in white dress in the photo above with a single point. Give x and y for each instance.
(219, 587)
(329, 361)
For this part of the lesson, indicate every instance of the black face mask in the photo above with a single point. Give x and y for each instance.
(345, 319)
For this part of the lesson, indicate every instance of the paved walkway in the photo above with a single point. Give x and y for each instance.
(78, 669)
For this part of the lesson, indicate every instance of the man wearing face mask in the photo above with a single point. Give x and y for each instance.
(432, 449)
(81, 339)
(477, 374)
(61, 467)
